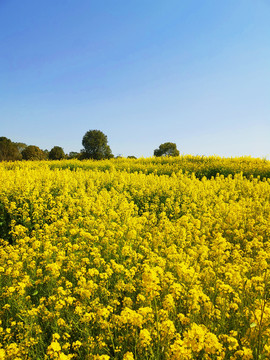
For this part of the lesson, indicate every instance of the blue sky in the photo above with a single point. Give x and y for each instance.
(144, 72)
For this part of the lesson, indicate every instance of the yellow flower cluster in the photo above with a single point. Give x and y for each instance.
(199, 165)
(130, 259)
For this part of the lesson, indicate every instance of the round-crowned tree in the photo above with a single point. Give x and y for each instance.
(56, 153)
(167, 149)
(33, 152)
(96, 146)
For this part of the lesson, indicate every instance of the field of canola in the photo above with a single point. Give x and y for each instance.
(135, 259)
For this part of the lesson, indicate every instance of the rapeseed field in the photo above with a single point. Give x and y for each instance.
(148, 259)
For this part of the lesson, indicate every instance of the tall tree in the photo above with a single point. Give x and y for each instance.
(33, 152)
(96, 146)
(56, 153)
(8, 150)
(167, 149)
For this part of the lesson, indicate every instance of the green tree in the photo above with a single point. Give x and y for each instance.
(33, 152)
(8, 150)
(46, 154)
(96, 145)
(73, 155)
(56, 153)
(21, 146)
(167, 149)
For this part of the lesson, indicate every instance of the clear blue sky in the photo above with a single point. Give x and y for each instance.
(144, 72)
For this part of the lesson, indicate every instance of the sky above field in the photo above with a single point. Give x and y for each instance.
(144, 72)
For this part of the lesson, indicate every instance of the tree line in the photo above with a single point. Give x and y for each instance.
(95, 146)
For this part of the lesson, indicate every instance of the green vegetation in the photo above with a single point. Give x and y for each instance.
(96, 145)
(167, 149)
(33, 152)
(56, 153)
(8, 150)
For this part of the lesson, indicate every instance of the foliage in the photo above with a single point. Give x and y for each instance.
(46, 154)
(33, 152)
(167, 149)
(96, 145)
(8, 150)
(21, 146)
(56, 153)
(73, 155)
(113, 262)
